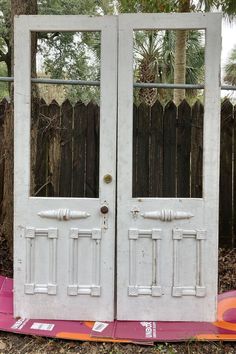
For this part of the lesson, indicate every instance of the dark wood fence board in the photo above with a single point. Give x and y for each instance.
(225, 227)
(169, 146)
(135, 151)
(66, 149)
(156, 151)
(41, 155)
(91, 151)
(79, 150)
(54, 150)
(183, 149)
(67, 158)
(197, 150)
(97, 148)
(34, 123)
(3, 107)
(142, 146)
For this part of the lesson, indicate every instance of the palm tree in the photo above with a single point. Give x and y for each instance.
(147, 52)
(228, 7)
(181, 36)
(180, 55)
(154, 61)
(230, 68)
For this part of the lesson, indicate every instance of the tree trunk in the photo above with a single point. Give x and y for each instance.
(18, 7)
(180, 64)
(180, 56)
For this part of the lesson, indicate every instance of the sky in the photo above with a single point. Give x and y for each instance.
(228, 40)
(228, 43)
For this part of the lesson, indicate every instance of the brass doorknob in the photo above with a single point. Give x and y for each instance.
(104, 209)
(107, 178)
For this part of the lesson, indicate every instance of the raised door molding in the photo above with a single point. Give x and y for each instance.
(63, 214)
(31, 284)
(198, 289)
(94, 289)
(167, 215)
(154, 289)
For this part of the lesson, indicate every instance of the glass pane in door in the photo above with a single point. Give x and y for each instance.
(168, 121)
(66, 117)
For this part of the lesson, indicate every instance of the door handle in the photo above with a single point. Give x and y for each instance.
(107, 178)
(104, 209)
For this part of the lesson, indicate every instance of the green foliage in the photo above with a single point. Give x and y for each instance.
(64, 55)
(73, 55)
(72, 7)
(230, 68)
(75, 7)
(158, 48)
(5, 19)
(146, 6)
(4, 92)
(228, 7)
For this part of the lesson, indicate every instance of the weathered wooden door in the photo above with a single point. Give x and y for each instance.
(166, 250)
(64, 247)
(167, 246)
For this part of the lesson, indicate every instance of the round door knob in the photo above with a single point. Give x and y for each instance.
(107, 178)
(104, 209)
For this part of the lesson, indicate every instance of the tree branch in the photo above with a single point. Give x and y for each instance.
(44, 35)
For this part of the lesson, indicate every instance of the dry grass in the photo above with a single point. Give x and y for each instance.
(20, 344)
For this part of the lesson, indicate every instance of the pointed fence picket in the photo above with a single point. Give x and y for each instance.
(167, 153)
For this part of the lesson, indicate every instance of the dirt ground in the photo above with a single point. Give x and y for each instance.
(20, 344)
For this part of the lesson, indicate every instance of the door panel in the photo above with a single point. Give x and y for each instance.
(167, 247)
(64, 247)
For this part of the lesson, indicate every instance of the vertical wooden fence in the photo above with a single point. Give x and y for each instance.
(67, 150)
(167, 153)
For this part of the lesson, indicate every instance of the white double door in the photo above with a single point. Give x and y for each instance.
(116, 256)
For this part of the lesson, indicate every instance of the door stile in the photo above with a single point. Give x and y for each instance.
(211, 142)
